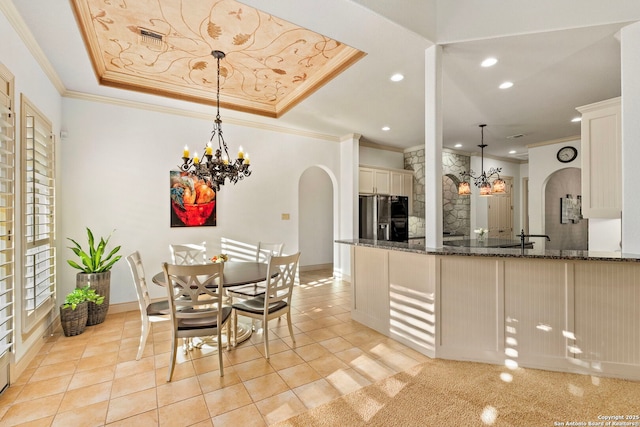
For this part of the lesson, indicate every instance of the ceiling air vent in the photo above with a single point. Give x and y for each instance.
(519, 135)
(150, 38)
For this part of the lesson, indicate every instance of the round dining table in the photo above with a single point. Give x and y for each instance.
(234, 274)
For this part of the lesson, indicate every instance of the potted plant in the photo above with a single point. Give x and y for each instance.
(95, 271)
(75, 310)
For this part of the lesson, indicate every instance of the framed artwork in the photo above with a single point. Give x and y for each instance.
(193, 202)
(570, 209)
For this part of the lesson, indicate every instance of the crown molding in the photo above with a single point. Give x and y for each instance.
(196, 115)
(18, 24)
(368, 144)
(555, 141)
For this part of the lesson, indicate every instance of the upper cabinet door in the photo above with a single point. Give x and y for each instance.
(366, 181)
(601, 140)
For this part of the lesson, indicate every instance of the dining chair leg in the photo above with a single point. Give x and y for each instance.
(265, 334)
(220, 350)
(229, 335)
(143, 338)
(290, 327)
(234, 320)
(172, 360)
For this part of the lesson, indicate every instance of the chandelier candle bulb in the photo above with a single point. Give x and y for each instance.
(240, 153)
(185, 153)
(247, 161)
(208, 151)
(196, 160)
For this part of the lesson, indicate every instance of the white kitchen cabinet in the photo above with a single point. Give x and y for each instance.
(374, 181)
(601, 137)
(394, 182)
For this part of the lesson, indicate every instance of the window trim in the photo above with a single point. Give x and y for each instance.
(32, 317)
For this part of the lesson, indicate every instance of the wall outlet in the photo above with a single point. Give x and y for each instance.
(285, 216)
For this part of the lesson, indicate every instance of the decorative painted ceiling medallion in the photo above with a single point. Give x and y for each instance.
(164, 47)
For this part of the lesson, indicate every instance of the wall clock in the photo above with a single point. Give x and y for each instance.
(567, 154)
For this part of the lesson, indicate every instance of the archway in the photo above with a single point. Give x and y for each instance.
(564, 186)
(316, 221)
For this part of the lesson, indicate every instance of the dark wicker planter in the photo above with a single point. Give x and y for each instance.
(101, 283)
(74, 322)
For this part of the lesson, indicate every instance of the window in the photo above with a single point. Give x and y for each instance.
(38, 203)
(7, 202)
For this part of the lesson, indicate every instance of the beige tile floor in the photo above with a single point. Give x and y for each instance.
(93, 379)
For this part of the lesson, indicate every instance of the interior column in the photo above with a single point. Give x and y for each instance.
(433, 146)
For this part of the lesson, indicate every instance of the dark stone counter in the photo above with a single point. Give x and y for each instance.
(494, 251)
(488, 243)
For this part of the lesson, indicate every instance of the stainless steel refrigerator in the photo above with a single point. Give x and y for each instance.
(384, 218)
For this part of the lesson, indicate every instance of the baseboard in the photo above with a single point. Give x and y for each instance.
(123, 307)
(17, 368)
(316, 267)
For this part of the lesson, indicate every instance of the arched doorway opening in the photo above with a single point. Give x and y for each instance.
(316, 224)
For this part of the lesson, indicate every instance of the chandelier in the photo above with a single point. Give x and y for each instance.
(482, 181)
(216, 168)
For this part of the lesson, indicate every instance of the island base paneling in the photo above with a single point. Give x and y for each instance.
(469, 307)
(607, 317)
(412, 318)
(565, 315)
(370, 288)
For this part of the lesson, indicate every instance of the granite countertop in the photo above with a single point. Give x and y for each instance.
(488, 243)
(494, 252)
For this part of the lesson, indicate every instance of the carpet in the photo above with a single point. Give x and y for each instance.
(451, 393)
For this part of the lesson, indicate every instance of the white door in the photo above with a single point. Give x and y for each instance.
(501, 212)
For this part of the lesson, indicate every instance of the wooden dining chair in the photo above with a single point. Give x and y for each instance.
(150, 312)
(195, 304)
(276, 301)
(188, 253)
(264, 251)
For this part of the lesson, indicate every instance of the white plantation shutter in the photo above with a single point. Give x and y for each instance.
(7, 209)
(38, 183)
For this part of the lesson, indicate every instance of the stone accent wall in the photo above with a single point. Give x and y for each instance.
(456, 210)
(414, 160)
(456, 213)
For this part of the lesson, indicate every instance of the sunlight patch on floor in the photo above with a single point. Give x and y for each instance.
(489, 415)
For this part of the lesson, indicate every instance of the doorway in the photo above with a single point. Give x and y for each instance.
(500, 212)
(316, 225)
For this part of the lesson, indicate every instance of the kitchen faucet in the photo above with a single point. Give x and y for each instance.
(522, 236)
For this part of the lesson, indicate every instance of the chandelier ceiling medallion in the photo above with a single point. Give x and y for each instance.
(482, 181)
(217, 168)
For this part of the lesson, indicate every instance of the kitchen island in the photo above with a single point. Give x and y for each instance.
(573, 311)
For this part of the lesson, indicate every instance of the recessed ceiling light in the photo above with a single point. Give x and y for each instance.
(397, 77)
(458, 145)
(489, 62)
(576, 119)
(505, 85)
(512, 152)
(386, 128)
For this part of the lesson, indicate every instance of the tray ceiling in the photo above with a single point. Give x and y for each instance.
(164, 47)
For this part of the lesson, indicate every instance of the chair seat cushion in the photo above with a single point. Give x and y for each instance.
(203, 322)
(248, 290)
(157, 308)
(256, 305)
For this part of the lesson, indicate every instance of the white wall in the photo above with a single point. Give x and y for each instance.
(316, 218)
(381, 158)
(115, 166)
